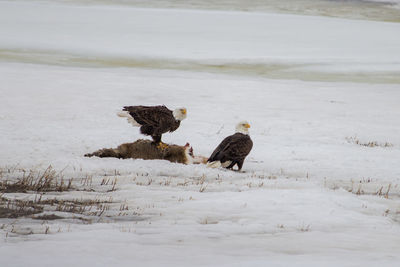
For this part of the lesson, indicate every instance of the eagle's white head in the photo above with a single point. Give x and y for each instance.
(179, 114)
(243, 127)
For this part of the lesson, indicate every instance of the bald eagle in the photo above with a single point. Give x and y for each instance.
(233, 149)
(154, 120)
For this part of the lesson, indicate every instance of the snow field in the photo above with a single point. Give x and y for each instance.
(281, 210)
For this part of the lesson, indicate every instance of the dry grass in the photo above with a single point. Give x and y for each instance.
(355, 140)
(383, 191)
(304, 228)
(46, 181)
(15, 208)
(14, 180)
(367, 186)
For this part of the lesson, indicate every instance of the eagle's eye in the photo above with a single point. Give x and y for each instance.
(183, 111)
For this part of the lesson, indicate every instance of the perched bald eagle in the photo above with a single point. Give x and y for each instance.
(154, 120)
(233, 149)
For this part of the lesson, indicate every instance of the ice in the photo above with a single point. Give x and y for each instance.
(275, 45)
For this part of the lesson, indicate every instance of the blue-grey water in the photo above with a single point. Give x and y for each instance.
(354, 9)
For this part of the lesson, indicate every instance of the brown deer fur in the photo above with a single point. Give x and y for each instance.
(146, 149)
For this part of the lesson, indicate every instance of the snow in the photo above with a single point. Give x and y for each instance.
(290, 207)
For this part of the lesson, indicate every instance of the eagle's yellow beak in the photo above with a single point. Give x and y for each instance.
(183, 111)
(247, 125)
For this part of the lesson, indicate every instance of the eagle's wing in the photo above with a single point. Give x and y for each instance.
(151, 116)
(238, 148)
(216, 153)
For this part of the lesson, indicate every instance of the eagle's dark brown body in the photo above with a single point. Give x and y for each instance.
(154, 120)
(233, 149)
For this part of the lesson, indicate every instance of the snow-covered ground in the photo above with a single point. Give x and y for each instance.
(314, 89)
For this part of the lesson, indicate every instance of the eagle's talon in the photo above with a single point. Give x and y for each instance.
(162, 146)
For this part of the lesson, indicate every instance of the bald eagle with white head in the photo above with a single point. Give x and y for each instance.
(233, 149)
(154, 120)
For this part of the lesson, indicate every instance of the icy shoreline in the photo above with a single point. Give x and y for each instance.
(379, 10)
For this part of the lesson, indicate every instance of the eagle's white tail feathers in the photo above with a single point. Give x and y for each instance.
(217, 164)
(131, 120)
(214, 164)
(226, 164)
(122, 114)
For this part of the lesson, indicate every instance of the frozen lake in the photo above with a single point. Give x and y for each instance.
(281, 46)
